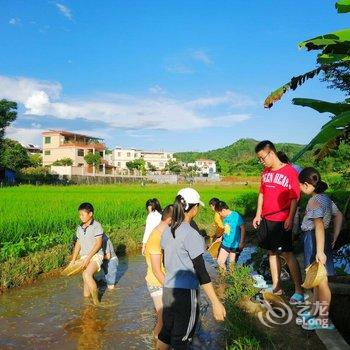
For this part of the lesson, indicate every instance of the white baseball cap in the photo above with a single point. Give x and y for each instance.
(191, 196)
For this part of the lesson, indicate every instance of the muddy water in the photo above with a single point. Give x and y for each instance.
(52, 314)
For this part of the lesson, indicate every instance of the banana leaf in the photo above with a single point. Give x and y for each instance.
(330, 131)
(343, 6)
(322, 106)
(291, 85)
(321, 41)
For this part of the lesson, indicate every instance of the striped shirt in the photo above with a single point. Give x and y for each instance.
(319, 206)
(87, 237)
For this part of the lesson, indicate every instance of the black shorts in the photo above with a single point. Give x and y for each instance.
(230, 250)
(180, 317)
(278, 240)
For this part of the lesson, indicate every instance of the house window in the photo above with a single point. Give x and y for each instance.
(47, 153)
(135, 155)
(128, 154)
(47, 139)
(119, 154)
(80, 153)
(118, 163)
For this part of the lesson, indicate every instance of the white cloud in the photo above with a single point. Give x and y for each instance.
(24, 135)
(36, 125)
(157, 90)
(201, 56)
(176, 67)
(42, 99)
(15, 21)
(230, 98)
(66, 12)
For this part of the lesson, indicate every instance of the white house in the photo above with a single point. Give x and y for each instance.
(205, 166)
(120, 156)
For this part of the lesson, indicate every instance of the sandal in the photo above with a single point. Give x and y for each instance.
(297, 299)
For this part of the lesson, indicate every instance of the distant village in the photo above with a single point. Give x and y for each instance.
(70, 154)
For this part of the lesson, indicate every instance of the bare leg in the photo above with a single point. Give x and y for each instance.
(275, 267)
(324, 298)
(314, 308)
(232, 260)
(162, 346)
(88, 276)
(158, 304)
(87, 293)
(294, 269)
(223, 254)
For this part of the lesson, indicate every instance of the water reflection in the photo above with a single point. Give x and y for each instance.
(88, 329)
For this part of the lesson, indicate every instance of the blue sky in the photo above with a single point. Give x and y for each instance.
(173, 75)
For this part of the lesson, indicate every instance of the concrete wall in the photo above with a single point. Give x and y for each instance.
(163, 179)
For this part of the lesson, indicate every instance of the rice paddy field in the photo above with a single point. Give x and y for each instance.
(35, 218)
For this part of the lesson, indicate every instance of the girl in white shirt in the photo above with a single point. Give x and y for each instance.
(153, 219)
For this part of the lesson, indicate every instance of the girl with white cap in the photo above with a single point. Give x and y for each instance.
(185, 270)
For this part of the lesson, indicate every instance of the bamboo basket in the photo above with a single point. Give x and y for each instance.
(74, 269)
(315, 274)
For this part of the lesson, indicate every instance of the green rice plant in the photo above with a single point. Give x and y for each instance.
(35, 218)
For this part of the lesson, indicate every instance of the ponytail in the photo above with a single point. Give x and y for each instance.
(154, 204)
(321, 187)
(180, 207)
(178, 214)
(312, 176)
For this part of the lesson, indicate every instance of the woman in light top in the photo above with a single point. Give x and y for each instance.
(183, 248)
(153, 219)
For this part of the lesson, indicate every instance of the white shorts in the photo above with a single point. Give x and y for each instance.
(98, 258)
(155, 291)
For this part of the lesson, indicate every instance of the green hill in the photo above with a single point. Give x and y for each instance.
(236, 158)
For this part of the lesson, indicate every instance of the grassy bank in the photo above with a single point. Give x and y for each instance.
(240, 326)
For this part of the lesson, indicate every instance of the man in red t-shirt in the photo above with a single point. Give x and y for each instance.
(277, 203)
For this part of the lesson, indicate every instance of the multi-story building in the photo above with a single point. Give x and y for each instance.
(59, 144)
(33, 149)
(120, 156)
(205, 166)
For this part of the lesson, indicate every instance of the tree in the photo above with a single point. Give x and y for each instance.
(36, 160)
(93, 159)
(8, 113)
(173, 167)
(151, 167)
(63, 162)
(137, 164)
(14, 155)
(338, 77)
(224, 167)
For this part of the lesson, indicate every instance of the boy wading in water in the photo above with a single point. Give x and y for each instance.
(155, 268)
(185, 270)
(277, 203)
(232, 241)
(89, 245)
